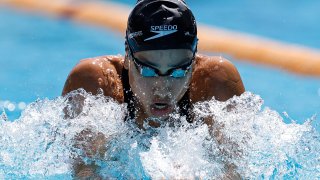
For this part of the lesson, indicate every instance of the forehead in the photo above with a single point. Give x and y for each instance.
(165, 58)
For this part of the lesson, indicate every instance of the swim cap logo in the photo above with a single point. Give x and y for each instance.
(162, 30)
(135, 34)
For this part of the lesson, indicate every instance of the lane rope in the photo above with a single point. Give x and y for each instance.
(294, 58)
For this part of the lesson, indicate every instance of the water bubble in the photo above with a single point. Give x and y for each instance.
(134, 145)
(5, 156)
(6, 103)
(11, 107)
(22, 105)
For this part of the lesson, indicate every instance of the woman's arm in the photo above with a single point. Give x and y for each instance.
(91, 75)
(97, 73)
(219, 78)
(214, 77)
(92, 146)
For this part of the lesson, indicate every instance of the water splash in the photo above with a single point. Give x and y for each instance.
(259, 143)
(241, 137)
(40, 142)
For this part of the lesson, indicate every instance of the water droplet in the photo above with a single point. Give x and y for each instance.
(11, 107)
(319, 91)
(134, 145)
(5, 104)
(22, 105)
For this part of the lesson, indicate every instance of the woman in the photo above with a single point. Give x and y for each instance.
(161, 72)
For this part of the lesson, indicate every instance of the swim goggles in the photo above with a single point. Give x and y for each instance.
(147, 71)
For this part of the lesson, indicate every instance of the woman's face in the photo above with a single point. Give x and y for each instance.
(158, 96)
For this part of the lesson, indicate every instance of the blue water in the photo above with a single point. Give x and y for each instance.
(287, 20)
(40, 144)
(37, 53)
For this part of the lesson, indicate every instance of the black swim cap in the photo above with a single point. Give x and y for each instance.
(161, 24)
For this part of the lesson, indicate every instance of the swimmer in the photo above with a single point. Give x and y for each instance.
(161, 72)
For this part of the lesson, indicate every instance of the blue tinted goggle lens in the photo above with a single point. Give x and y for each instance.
(146, 71)
(151, 72)
(177, 73)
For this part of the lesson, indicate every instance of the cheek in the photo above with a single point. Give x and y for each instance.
(140, 86)
(179, 87)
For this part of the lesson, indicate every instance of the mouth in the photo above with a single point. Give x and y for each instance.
(160, 105)
(161, 109)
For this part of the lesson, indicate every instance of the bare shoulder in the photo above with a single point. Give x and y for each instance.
(98, 72)
(215, 76)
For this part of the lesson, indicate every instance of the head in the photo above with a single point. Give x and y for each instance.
(161, 43)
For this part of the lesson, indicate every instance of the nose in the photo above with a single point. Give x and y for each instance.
(161, 87)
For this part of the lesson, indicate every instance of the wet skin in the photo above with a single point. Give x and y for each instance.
(164, 90)
(209, 77)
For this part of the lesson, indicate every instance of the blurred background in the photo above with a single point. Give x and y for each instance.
(37, 52)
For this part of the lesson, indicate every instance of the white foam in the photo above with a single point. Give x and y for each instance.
(40, 141)
(255, 141)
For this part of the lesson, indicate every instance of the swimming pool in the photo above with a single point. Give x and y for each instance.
(30, 44)
(37, 54)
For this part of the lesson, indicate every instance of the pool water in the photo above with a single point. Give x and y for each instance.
(40, 144)
(37, 53)
(31, 44)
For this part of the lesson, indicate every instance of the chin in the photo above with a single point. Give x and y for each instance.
(162, 118)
